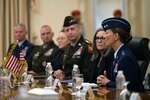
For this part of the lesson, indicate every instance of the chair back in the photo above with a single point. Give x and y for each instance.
(139, 46)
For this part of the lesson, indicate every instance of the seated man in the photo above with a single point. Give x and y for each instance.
(44, 53)
(25, 46)
(77, 52)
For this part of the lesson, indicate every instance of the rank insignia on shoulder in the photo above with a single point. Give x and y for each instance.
(79, 44)
(88, 41)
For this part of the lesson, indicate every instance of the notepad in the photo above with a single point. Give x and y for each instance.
(42, 91)
(90, 84)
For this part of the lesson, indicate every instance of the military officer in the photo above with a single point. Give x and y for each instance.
(117, 35)
(20, 34)
(77, 52)
(44, 53)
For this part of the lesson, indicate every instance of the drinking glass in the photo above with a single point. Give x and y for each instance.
(78, 82)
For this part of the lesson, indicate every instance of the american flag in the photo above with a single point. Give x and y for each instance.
(12, 96)
(15, 62)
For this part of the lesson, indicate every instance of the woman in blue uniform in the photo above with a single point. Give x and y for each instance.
(117, 35)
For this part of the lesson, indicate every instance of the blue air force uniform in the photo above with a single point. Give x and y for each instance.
(126, 61)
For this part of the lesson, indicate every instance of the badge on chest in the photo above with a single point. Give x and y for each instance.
(48, 53)
(36, 55)
(77, 54)
(24, 51)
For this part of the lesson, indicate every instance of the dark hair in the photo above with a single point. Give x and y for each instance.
(96, 52)
(125, 37)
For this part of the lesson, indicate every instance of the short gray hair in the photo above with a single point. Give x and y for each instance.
(21, 25)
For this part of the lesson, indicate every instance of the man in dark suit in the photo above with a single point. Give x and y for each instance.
(77, 52)
(48, 52)
(20, 35)
(117, 35)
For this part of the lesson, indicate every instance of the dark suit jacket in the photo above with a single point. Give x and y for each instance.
(126, 62)
(26, 48)
(104, 64)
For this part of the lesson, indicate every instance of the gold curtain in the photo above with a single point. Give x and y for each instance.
(11, 13)
(135, 17)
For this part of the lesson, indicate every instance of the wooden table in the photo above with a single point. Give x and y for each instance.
(102, 93)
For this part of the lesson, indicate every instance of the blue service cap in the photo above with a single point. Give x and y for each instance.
(116, 23)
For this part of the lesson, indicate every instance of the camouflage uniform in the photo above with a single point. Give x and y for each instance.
(41, 55)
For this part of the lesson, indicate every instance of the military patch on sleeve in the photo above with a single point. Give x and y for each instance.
(88, 41)
(90, 48)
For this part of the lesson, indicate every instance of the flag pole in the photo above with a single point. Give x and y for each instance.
(15, 63)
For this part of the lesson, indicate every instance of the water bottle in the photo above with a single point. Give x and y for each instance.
(49, 81)
(24, 76)
(48, 74)
(1, 86)
(6, 90)
(48, 68)
(124, 94)
(1, 83)
(120, 80)
(22, 93)
(146, 82)
(4, 83)
(75, 70)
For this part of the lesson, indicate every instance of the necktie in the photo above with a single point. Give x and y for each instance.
(71, 49)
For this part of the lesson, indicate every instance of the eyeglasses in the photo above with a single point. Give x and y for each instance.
(100, 39)
(60, 38)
